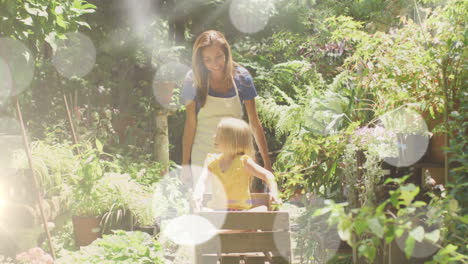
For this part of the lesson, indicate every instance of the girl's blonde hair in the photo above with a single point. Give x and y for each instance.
(235, 137)
(200, 72)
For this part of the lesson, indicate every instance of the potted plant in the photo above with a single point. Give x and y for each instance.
(88, 201)
(132, 205)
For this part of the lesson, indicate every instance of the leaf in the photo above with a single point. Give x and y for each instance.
(332, 124)
(50, 38)
(58, 10)
(88, 6)
(376, 227)
(84, 24)
(360, 226)
(453, 205)
(368, 251)
(99, 145)
(431, 111)
(321, 211)
(409, 246)
(433, 236)
(419, 204)
(417, 234)
(344, 234)
(27, 21)
(61, 23)
(408, 193)
(464, 219)
(399, 232)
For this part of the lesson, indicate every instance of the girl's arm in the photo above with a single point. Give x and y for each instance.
(258, 132)
(187, 140)
(265, 175)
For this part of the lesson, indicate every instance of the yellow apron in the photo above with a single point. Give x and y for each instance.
(215, 109)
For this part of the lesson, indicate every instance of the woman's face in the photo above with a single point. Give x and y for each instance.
(214, 59)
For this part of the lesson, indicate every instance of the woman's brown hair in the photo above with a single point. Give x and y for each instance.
(200, 72)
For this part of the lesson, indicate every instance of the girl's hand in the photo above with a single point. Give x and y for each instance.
(275, 199)
(197, 201)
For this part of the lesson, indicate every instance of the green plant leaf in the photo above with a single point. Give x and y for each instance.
(409, 246)
(433, 236)
(99, 145)
(408, 193)
(376, 227)
(417, 234)
(360, 226)
(399, 232)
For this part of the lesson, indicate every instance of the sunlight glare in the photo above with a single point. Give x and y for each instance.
(75, 56)
(251, 16)
(16, 67)
(412, 136)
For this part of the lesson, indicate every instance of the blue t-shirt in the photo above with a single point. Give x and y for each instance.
(242, 78)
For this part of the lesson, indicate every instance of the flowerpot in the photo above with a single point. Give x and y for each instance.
(422, 252)
(437, 142)
(86, 229)
(436, 153)
(151, 230)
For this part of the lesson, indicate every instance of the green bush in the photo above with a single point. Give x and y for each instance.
(121, 247)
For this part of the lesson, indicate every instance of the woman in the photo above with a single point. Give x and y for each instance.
(216, 88)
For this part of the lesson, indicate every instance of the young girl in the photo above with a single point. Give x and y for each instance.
(230, 172)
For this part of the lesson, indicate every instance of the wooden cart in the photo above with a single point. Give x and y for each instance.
(247, 237)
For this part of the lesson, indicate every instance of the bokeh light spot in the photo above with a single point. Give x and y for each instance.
(411, 136)
(251, 16)
(75, 56)
(167, 83)
(189, 230)
(16, 67)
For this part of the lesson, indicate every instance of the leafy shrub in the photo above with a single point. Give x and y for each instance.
(54, 163)
(121, 247)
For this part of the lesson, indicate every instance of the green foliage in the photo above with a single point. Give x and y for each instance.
(121, 247)
(399, 217)
(89, 197)
(63, 240)
(42, 20)
(54, 163)
(142, 170)
(132, 201)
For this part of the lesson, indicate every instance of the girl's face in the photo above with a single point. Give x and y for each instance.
(214, 59)
(217, 143)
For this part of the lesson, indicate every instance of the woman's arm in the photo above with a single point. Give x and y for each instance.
(199, 190)
(258, 132)
(258, 171)
(188, 138)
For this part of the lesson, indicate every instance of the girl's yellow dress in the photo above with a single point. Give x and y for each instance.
(231, 188)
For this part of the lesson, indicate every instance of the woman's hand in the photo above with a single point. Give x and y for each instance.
(187, 142)
(186, 176)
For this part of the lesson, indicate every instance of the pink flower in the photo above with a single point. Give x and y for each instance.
(23, 256)
(46, 259)
(34, 256)
(36, 252)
